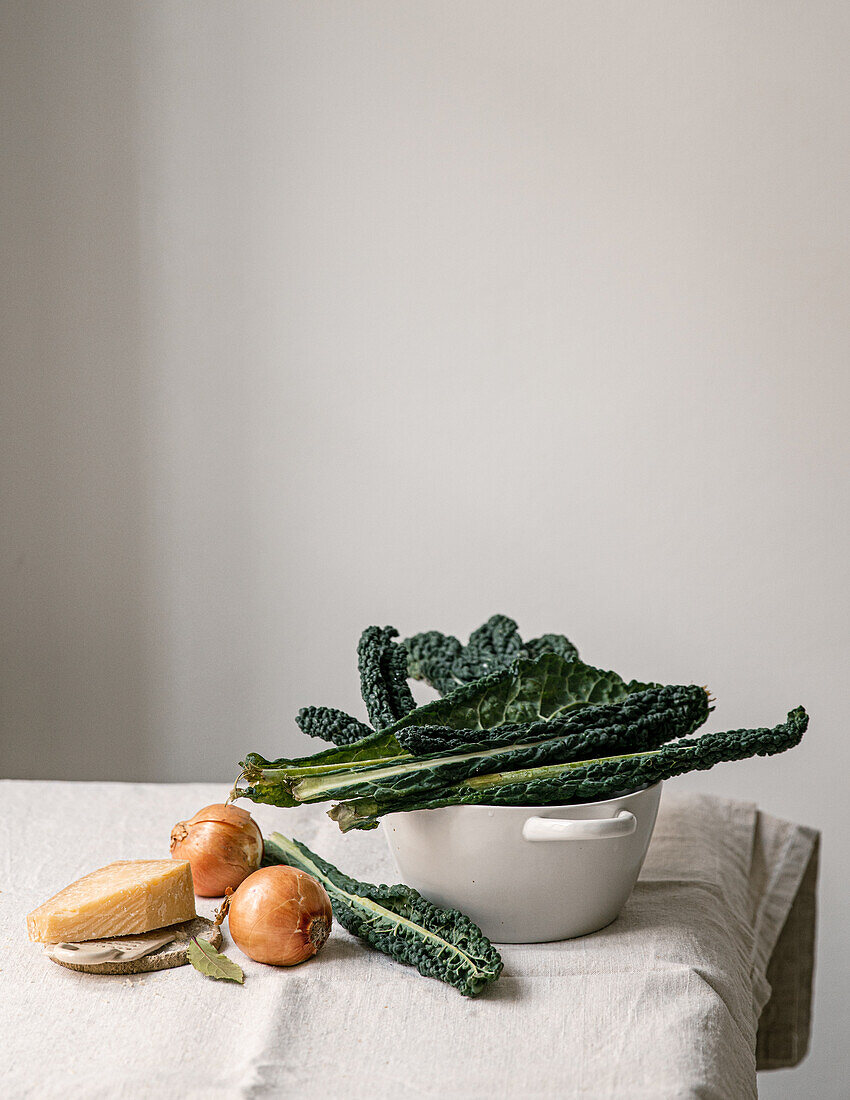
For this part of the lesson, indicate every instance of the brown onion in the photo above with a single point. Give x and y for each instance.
(280, 915)
(223, 845)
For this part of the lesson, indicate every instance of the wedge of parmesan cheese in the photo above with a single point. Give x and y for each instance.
(132, 895)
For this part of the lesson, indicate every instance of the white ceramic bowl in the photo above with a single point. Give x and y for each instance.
(527, 874)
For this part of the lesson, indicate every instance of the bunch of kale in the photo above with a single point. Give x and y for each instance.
(519, 723)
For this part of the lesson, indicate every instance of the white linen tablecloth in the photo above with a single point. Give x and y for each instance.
(664, 1003)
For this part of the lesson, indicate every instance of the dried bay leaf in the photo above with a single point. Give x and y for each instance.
(212, 964)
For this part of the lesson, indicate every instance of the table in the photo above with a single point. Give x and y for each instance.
(673, 1000)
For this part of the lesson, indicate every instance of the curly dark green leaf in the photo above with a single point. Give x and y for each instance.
(526, 691)
(444, 662)
(647, 721)
(397, 921)
(551, 643)
(531, 701)
(431, 657)
(492, 646)
(383, 676)
(588, 779)
(331, 725)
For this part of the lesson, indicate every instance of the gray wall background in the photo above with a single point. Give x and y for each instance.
(322, 315)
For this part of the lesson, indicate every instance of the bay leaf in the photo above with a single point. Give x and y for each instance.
(211, 963)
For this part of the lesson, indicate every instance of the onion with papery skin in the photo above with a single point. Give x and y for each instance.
(222, 843)
(280, 915)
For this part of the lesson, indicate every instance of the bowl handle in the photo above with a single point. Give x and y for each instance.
(566, 828)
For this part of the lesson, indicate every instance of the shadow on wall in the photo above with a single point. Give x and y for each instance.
(77, 570)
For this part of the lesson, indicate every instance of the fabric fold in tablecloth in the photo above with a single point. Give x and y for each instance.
(766, 869)
(785, 922)
(705, 976)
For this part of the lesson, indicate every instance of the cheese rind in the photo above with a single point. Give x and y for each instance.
(131, 895)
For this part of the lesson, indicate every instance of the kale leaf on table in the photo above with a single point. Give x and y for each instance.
(399, 922)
